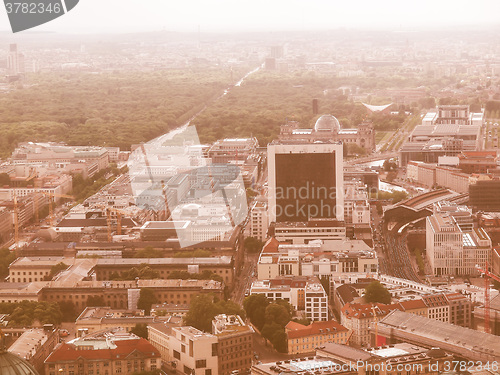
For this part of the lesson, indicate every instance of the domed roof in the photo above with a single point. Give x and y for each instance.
(11, 364)
(327, 123)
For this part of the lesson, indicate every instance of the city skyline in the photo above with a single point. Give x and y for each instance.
(127, 16)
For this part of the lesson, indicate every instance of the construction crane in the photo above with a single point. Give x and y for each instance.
(51, 197)
(16, 221)
(119, 213)
(487, 275)
(375, 318)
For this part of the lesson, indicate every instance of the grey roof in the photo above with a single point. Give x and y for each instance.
(445, 335)
(99, 222)
(137, 261)
(344, 352)
(11, 364)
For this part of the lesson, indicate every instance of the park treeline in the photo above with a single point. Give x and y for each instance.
(125, 108)
(108, 109)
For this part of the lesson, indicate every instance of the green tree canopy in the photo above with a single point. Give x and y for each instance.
(255, 307)
(253, 245)
(146, 299)
(376, 292)
(276, 313)
(6, 258)
(203, 309)
(141, 330)
(148, 252)
(26, 312)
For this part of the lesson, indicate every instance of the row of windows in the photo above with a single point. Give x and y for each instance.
(29, 273)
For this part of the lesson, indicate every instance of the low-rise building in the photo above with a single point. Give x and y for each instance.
(222, 266)
(332, 358)
(35, 345)
(194, 352)
(317, 258)
(94, 319)
(460, 341)
(235, 343)
(305, 339)
(304, 293)
(29, 269)
(106, 353)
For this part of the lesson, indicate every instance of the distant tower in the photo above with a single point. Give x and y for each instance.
(277, 52)
(15, 61)
(315, 106)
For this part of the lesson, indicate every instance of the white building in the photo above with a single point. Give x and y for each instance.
(305, 294)
(453, 246)
(259, 221)
(318, 258)
(305, 232)
(193, 351)
(356, 206)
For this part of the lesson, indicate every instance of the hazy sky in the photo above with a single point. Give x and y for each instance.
(91, 16)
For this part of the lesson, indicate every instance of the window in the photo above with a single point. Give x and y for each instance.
(177, 355)
(208, 371)
(200, 363)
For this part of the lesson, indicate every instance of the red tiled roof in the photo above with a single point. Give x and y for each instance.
(360, 311)
(271, 246)
(69, 352)
(298, 330)
(413, 304)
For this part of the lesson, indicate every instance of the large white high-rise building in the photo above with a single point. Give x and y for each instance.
(453, 245)
(306, 181)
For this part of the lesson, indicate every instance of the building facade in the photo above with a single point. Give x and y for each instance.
(305, 181)
(305, 339)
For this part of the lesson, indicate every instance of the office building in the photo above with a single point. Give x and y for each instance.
(453, 246)
(305, 181)
(193, 352)
(484, 194)
(15, 61)
(258, 223)
(235, 343)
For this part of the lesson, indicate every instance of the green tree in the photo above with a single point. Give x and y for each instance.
(203, 309)
(6, 258)
(68, 311)
(376, 292)
(255, 307)
(276, 313)
(201, 312)
(141, 330)
(146, 299)
(148, 252)
(26, 312)
(325, 282)
(253, 245)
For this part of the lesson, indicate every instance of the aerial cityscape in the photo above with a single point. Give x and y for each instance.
(290, 197)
